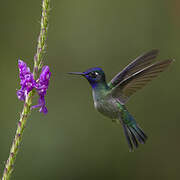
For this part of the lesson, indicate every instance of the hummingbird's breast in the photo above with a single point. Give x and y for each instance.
(106, 105)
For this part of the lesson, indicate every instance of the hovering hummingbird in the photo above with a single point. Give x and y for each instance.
(110, 98)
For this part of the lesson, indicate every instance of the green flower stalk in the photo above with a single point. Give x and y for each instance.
(42, 37)
(30, 83)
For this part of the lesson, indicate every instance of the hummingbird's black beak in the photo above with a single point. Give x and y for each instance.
(76, 73)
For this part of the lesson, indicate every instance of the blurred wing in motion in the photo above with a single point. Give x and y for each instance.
(136, 65)
(138, 80)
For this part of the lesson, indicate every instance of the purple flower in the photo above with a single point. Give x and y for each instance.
(41, 105)
(43, 81)
(41, 87)
(27, 83)
(21, 95)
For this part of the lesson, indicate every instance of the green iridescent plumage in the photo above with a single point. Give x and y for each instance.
(110, 98)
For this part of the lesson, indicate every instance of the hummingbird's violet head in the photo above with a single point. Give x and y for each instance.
(93, 75)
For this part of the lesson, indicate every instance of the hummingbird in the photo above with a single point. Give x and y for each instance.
(110, 98)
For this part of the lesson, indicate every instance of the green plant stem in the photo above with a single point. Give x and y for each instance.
(18, 138)
(9, 166)
(42, 37)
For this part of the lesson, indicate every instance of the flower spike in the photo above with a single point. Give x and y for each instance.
(28, 83)
(41, 87)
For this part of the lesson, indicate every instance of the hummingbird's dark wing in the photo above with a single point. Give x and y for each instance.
(138, 80)
(136, 65)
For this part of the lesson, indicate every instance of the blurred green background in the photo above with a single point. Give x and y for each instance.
(73, 141)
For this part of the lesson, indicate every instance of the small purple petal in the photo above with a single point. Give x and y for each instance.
(21, 95)
(43, 109)
(21, 64)
(45, 76)
(36, 106)
(41, 104)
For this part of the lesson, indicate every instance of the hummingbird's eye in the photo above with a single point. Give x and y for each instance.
(93, 74)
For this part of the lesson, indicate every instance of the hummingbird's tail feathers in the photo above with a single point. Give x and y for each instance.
(138, 133)
(134, 135)
(141, 132)
(127, 137)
